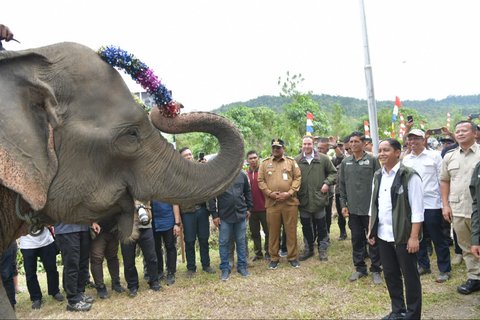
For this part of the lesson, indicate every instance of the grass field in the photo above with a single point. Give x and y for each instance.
(319, 290)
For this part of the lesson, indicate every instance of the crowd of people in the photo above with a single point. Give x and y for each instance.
(398, 204)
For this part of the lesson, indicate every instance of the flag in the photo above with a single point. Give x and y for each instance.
(401, 133)
(397, 106)
(309, 122)
(448, 120)
(367, 128)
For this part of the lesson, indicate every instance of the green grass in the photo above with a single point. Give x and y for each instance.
(317, 290)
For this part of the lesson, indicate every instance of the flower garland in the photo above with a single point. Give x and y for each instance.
(144, 76)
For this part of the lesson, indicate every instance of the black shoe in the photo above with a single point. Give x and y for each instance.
(342, 237)
(37, 304)
(58, 296)
(422, 271)
(146, 277)
(132, 292)
(190, 273)
(283, 253)
(209, 270)
(170, 279)
(470, 286)
(102, 292)
(87, 299)
(79, 306)
(306, 255)
(257, 258)
(267, 256)
(117, 287)
(322, 255)
(155, 286)
(395, 316)
(273, 265)
(90, 284)
(294, 264)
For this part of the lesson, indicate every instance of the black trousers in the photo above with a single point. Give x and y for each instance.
(105, 246)
(147, 244)
(7, 267)
(256, 220)
(328, 211)
(170, 240)
(398, 263)
(342, 222)
(48, 256)
(358, 226)
(75, 249)
(322, 234)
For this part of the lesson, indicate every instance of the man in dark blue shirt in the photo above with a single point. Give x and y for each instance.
(230, 216)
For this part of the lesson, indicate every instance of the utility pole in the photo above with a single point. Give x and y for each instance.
(372, 106)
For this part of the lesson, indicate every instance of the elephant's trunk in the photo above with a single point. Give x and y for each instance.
(192, 182)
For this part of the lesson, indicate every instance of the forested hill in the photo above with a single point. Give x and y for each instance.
(357, 107)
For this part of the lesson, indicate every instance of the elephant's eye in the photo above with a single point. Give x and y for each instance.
(128, 141)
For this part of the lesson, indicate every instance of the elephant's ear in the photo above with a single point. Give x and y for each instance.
(28, 116)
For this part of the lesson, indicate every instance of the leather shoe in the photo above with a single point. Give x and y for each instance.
(395, 316)
(357, 275)
(257, 258)
(37, 304)
(209, 270)
(422, 271)
(306, 255)
(132, 292)
(58, 296)
(470, 286)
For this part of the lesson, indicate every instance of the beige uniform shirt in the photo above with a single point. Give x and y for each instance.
(457, 168)
(281, 175)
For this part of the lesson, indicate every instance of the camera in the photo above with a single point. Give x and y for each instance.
(409, 118)
(435, 131)
(201, 156)
(142, 215)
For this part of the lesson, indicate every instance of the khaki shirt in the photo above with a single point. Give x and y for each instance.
(281, 175)
(457, 168)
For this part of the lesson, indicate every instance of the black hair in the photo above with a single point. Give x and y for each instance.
(394, 143)
(472, 125)
(356, 134)
(251, 152)
(183, 149)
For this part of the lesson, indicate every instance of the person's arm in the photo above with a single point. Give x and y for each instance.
(341, 185)
(415, 197)
(247, 193)
(177, 228)
(262, 184)
(331, 174)
(413, 244)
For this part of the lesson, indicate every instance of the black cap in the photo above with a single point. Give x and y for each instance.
(278, 143)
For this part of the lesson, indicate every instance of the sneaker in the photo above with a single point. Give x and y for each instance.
(377, 278)
(282, 253)
(190, 273)
(87, 299)
(306, 254)
(102, 292)
(357, 275)
(132, 292)
(457, 259)
(422, 271)
(37, 304)
(322, 255)
(117, 287)
(209, 270)
(273, 265)
(79, 306)
(155, 286)
(294, 264)
(58, 296)
(225, 275)
(170, 279)
(244, 272)
(442, 277)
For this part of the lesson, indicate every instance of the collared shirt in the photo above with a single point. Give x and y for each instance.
(385, 226)
(457, 168)
(308, 157)
(428, 165)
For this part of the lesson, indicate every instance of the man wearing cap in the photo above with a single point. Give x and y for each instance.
(279, 178)
(355, 183)
(428, 164)
(457, 169)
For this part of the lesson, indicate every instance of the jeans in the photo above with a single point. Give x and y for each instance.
(105, 246)
(196, 225)
(170, 241)
(238, 231)
(75, 249)
(432, 228)
(7, 268)
(48, 256)
(147, 244)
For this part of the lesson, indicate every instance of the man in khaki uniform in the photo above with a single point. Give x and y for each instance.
(279, 179)
(457, 168)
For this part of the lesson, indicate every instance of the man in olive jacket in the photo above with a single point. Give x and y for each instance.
(318, 173)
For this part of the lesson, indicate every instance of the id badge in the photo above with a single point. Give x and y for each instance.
(285, 176)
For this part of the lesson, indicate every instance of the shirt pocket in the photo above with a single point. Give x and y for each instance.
(455, 202)
(429, 167)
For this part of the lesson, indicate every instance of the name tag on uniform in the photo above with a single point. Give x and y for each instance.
(285, 176)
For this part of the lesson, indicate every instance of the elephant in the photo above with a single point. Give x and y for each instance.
(75, 147)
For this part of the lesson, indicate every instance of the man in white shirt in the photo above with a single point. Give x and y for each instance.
(428, 164)
(396, 216)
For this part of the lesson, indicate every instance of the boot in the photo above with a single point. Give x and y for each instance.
(323, 255)
(306, 254)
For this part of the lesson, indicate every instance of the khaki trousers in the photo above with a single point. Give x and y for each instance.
(287, 214)
(463, 229)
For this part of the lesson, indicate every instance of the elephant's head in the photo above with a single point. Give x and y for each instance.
(76, 146)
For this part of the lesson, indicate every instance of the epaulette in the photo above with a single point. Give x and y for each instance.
(288, 157)
(451, 150)
(266, 159)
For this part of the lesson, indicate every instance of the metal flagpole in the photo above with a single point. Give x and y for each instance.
(372, 107)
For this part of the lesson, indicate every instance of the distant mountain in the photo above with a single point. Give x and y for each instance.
(358, 107)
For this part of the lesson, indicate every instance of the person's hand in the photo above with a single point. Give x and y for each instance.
(216, 222)
(324, 188)
(248, 214)
(447, 213)
(475, 251)
(282, 196)
(345, 212)
(409, 125)
(176, 230)
(413, 245)
(5, 33)
(274, 195)
(371, 241)
(96, 228)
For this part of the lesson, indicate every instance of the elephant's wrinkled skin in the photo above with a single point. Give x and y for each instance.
(76, 147)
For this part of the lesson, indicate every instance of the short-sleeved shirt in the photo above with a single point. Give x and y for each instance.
(457, 168)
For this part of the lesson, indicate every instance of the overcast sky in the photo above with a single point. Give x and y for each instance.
(214, 52)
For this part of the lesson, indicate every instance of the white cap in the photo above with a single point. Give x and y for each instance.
(417, 132)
